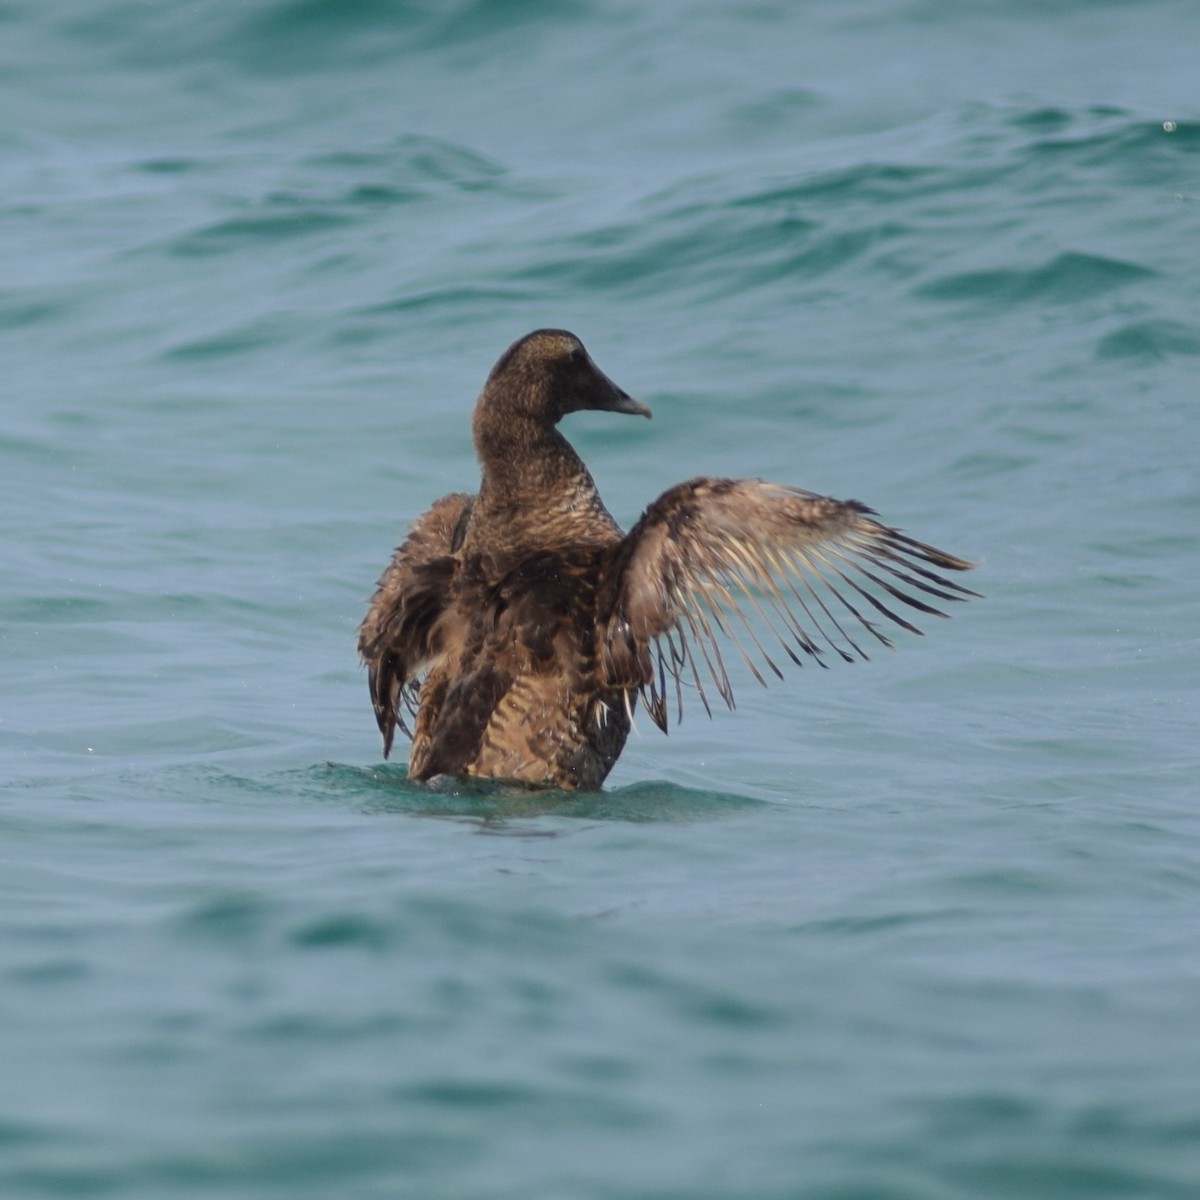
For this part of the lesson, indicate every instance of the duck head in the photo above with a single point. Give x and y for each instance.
(549, 373)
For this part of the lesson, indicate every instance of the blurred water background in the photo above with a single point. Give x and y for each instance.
(924, 929)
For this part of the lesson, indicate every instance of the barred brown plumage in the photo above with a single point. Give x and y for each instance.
(519, 626)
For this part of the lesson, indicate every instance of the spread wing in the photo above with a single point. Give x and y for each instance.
(773, 571)
(399, 637)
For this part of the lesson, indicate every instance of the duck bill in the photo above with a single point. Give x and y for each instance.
(620, 401)
(627, 404)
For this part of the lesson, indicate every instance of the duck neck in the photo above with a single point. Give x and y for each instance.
(526, 460)
(535, 488)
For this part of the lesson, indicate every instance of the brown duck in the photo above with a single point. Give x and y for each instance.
(520, 626)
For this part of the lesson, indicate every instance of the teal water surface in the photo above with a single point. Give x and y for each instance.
(921, 929)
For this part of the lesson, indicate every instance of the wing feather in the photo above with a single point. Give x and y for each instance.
(398, 639)
(732, 560)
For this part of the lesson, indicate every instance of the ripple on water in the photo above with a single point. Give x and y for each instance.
(234, 233)
(385, 789)
(1150, 341)
(1064, 279)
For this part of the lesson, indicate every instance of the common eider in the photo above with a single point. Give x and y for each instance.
(519, 627)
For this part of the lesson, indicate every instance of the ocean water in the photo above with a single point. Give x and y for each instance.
(921, 929)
